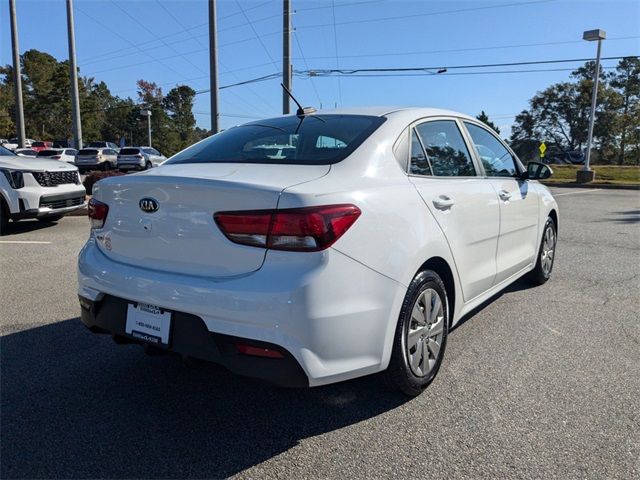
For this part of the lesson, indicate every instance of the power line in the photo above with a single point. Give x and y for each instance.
(171, 35)
(428, 14)
(197, 67)
(295, 35)
(264, 47)
(467, 49)
(447, 74)
(227, 71)
(450, 67)
(123, 38)
(340, 5)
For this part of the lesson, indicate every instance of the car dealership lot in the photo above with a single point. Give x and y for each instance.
(539, 382)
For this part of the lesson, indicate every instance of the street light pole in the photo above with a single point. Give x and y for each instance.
(17, 75)
(147, 113)
(73, 73)
(586, 174)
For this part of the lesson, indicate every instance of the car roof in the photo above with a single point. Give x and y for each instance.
(384, 111)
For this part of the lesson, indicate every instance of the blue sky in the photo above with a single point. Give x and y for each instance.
(122, 41)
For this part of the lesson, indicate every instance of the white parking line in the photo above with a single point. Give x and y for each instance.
(590, 190)
(25, 242)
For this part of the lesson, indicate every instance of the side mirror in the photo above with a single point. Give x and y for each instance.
(538, 171)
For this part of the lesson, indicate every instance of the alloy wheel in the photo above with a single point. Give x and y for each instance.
(548, 250)
(425, 333)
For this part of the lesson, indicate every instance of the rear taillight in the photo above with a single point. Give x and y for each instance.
(139, 155)
(297, 229)
(97, 213)
(56, 157)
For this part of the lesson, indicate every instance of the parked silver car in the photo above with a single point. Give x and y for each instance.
(139, 158)
(96, 159)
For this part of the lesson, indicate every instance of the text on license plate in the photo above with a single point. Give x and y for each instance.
(148, 323)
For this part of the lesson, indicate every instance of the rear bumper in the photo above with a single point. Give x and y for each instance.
(333, 315)
(190, 337)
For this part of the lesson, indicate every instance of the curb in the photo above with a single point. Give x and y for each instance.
(609, 186)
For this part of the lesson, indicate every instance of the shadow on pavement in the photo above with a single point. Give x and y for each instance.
(517, 286)
(25, 226)
(78, 405)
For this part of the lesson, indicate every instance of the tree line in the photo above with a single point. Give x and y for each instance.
(558, 115)
(108, 117)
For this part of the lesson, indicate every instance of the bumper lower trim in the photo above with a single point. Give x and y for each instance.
(190, 337)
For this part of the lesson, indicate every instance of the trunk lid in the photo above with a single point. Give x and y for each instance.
(181, 236)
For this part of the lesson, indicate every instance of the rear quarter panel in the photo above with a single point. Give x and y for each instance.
(395, 234)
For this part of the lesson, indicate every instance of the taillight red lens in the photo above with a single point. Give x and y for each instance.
(297, 229)
(97, 213)
(56, 157)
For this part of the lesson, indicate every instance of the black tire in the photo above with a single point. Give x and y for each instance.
(50, 218)
(148, 165)
(400, 374)
(4, 217)
(541, 273)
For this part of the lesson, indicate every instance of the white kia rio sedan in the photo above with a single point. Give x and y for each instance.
(314, 248)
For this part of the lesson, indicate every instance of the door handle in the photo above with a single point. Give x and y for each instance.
(504, 195)
(443, 202)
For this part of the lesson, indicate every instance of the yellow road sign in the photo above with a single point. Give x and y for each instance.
(543, 148)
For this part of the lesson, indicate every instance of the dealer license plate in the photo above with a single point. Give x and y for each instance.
(148, 323)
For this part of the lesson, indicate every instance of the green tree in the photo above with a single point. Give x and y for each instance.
(179, 106)
(559, 116)
(484, 118)
(625, 82)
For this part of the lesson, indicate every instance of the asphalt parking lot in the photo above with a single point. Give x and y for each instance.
(538, 383)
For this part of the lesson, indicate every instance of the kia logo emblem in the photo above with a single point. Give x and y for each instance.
(148, 205)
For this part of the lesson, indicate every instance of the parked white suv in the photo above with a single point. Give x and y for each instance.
(351, 250)
(96, 159)
(37, 188)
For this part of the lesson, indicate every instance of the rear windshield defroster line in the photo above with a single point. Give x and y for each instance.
(312, 140)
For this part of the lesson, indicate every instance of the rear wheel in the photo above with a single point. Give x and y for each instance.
(148, 165)
(421, 335)
(546, 255)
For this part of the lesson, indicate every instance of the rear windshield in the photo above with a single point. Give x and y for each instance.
(313, 140)
(87, 151)
(129, 151)
(97, 144)
(38, 144)
(49, 153)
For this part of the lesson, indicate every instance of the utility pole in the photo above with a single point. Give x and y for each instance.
(286, 54)
(213, 66)
(73, 74)
(17, 76)
(586, 174)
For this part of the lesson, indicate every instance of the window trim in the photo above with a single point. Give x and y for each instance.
(413, 130)
(518, 164)
(463, 133)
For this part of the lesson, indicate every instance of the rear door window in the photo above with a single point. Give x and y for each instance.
(312, 140)
(445, 148)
